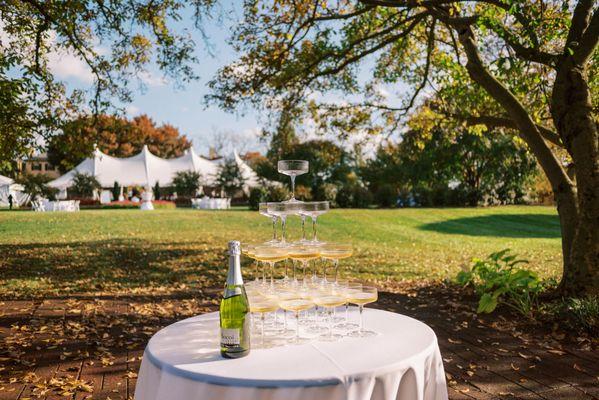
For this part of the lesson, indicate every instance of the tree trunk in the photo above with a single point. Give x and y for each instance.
(573, 116)
(578, 206)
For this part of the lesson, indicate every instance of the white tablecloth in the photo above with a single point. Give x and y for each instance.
(182, 361)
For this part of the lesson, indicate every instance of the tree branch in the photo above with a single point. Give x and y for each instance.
(588, 41)
(503, 122)
(528, 130)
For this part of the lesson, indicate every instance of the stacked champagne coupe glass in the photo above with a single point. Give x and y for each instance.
(297, 289)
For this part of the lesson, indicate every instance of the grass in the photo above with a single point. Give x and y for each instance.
(129, 251)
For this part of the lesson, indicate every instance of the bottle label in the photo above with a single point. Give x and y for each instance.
(230, 337)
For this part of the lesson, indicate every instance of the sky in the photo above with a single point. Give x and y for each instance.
(182, 107)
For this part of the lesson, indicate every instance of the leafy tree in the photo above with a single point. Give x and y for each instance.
(37, 186)
(328, 163)
(116, 40)
(114, 136)
(84, 185)
(187, 183)
(230, 177)
(481, 165)
(529, 67)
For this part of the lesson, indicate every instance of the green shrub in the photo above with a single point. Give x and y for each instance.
(328, 193)
(386, 196)
(84, 185)
(116, 191)
(257, 196)
(362, 197)
(344, 197)
(575, 313)
(496, 280)
(187, 183)
(278, 193)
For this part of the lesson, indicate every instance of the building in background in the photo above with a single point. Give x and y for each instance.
(38, 164)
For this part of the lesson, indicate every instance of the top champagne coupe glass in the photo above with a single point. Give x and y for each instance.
(293, 168)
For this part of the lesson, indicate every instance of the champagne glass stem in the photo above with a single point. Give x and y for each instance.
(303, 227)
(297, 324)
(262, 330)
(330, 322)
(286, 277)
(324, 271)
(263, 273)
(294, 276)
(292, 187)
(314, 238)
(346, 312)
(274, 227)
(336, 264)
(272, 273)
(361, 319)
(283, 228)
(304, 271)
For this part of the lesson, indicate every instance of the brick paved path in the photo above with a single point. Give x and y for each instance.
(91, 348)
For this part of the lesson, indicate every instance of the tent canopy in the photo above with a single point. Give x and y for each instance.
(145, 169)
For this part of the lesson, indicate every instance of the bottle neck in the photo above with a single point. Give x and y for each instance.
(234, 277)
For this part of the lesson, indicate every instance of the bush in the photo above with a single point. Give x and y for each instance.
(157, 191)
(187, 183)
(37, 186)
(183, 201)
(353, 197)
(329, 193)
(362, 197)
(386, 196)
(84, 185)
(303, 193)
(257, 195)
(278, 193)
(496, 280)
(116, 191)
(344, 197)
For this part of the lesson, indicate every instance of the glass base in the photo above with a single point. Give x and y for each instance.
(329, 338)
(317, 329)
(364, 333)
(347, 326)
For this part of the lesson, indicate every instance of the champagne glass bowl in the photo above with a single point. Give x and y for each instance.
(293, 168)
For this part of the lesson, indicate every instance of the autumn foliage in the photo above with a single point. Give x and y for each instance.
(115, 136)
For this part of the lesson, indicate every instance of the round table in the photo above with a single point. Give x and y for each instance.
(183, 361)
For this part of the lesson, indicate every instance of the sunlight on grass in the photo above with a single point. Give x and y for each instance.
(108, 251)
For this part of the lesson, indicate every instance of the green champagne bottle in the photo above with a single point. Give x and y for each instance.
(234, 307)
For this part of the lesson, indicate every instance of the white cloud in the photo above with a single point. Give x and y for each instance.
(152, 80)
(132, 110)
(65, 65)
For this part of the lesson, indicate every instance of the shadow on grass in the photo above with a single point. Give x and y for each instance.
(500, 225)
(121, 265)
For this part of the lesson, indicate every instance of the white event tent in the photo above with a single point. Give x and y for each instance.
(8, 187)
(145, 169)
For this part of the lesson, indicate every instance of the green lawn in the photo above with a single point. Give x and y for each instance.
(118, 251)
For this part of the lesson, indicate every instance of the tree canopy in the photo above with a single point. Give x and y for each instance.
(114, 136)
(118, 41)
(530, 67)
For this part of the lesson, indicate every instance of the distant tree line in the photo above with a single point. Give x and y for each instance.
(426, 168)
